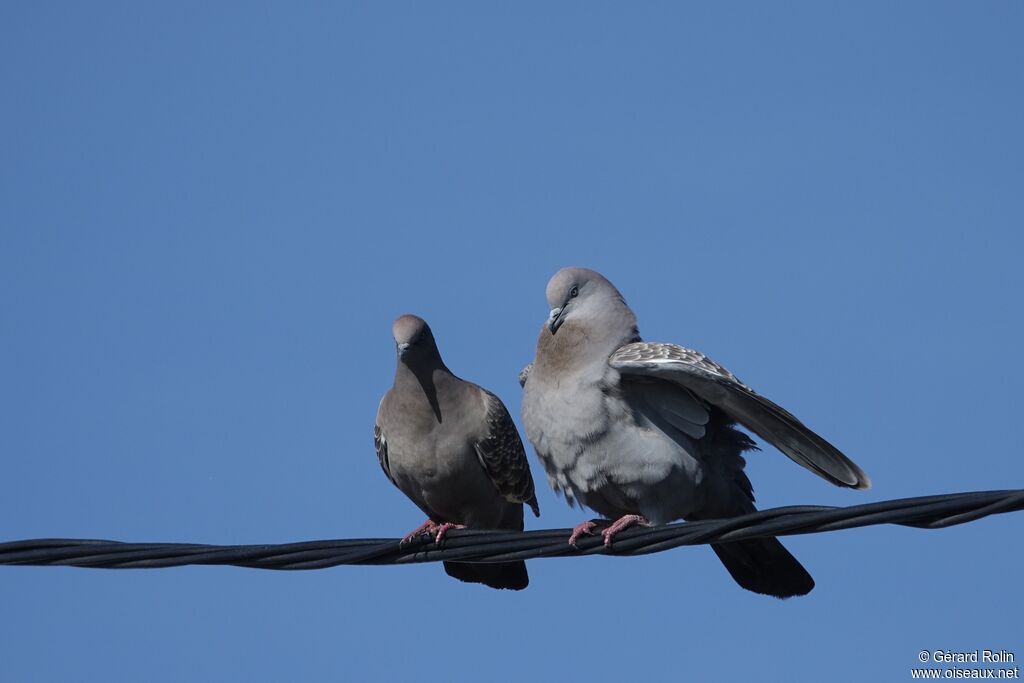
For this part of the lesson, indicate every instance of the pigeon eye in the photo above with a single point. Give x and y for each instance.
(574, 292)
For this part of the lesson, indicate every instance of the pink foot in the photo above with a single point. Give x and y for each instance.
(621, 524)
(428, 527)
(584, 529)
(443, 529)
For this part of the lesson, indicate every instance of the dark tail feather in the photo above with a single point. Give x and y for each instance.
(511, 575)
(764, 566)
(534, 506)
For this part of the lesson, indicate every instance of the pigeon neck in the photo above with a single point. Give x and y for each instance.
(421, 379)
(577, 348)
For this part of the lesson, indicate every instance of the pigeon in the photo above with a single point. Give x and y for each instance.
(646, 433)
(452, 448)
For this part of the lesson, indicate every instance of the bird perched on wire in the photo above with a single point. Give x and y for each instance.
(452, 448)
(644, 433)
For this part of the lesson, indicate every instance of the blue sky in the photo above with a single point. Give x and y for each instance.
(210, 215)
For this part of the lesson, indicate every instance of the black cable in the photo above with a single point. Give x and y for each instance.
(930, 512)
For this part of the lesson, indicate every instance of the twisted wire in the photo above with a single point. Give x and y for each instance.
(929, 512)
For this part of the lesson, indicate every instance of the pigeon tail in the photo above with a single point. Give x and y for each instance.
(510, 575)
(764, 566)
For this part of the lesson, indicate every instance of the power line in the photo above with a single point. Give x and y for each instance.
(930, 512)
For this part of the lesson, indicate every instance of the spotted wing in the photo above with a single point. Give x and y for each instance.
(708, 380)
(502, 455)
(524, 374)
(381, 445)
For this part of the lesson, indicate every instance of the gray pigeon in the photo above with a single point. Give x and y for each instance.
(452, 448)
(645, 433)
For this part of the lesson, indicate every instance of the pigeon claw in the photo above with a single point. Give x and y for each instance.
(584, 529)
(443, 529)
(621, 524)
(428, 527)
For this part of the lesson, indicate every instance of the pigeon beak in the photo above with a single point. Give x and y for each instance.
(556, 318)
(403, 349)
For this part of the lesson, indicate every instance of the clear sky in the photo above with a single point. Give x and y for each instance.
(210, 213)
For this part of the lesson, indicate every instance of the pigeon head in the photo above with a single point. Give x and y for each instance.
(413, 339)
(582, 294)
